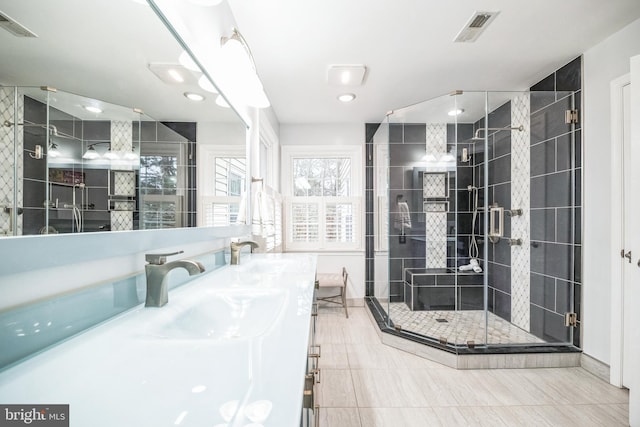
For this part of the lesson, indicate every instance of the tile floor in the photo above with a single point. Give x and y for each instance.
(365, 383)
(460, 326)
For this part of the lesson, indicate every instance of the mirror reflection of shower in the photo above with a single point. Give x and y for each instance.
(473, 243)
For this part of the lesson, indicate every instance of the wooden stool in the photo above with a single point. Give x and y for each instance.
(332, 280)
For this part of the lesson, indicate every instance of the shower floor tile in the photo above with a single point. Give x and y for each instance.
(459, 327)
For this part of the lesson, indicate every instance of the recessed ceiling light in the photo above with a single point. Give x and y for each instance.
(194, 96)
(175, 75)
(456, 112)
(92, 109)
(346, 97)
(172, 73)
(346, 75)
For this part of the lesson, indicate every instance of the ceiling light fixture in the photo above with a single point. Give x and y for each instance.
(175, 75)
(194, 96)
(92, 109)
(111, 155)
(131, 155)
(448, 157)
(53, 150)
(346, 75)
(91, 153)
(456, 112)
(346, 97)
(241, 74)
(172, 73)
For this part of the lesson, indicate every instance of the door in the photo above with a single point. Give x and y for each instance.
(627, 216)
(632, 281)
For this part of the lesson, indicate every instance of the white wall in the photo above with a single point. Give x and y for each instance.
(354, 263)
(323, 135)
(221, 133)
(602, 63)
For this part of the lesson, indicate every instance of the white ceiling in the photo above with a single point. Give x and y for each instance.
(100, 49)
(407, 46)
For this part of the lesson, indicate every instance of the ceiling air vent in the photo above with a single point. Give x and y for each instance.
(478, 22)
(14, 27)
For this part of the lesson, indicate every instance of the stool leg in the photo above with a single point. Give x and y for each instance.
(344, 301)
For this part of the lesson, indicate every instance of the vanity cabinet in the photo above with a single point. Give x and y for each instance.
(310, 407)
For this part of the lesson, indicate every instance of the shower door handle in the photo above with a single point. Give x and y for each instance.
(627, 255)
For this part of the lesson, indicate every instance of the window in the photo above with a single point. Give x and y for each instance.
(323, 203)
(162, 186)
(229, 181)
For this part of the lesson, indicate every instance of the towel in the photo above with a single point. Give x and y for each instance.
(402, 218)
(263, 218)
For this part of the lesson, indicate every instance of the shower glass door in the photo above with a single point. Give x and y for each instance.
(478, 213)
(434, 222)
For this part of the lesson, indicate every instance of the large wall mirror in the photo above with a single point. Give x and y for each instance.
(115, 145)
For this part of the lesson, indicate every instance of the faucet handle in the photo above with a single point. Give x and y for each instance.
(159, 259)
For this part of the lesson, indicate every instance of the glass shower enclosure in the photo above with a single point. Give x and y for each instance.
(477, 210)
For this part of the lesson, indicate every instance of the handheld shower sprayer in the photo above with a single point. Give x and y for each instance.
(473, 244)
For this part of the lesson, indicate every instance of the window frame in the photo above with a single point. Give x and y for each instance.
(352, 152)
(207, 155)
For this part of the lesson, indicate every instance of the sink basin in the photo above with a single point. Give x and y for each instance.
(221, 315)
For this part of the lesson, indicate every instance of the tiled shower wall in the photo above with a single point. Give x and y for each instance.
(498, 160)
(407, 146)
(7, 147)
(93, 198)
(551, 255)
(520, 224)
(556, 205)
(406, 152)
(124, 184)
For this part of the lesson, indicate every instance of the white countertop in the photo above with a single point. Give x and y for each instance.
(229, 349)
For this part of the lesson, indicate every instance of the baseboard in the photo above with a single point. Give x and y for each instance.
(596, 367)
(355, 302)
(351, 302)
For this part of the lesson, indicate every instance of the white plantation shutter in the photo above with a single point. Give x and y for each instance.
(324, 223)
(305, 222)
(339, 223)
(322, 210)
(218, 212)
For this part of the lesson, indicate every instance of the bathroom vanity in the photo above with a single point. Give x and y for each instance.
(229, 349)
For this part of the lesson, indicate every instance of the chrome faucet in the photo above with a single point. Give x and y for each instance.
(157, 271)
(237, 246)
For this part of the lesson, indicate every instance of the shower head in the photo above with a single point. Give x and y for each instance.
(51, 128)
(477, 137)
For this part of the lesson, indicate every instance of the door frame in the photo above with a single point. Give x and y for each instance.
(617, 227)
